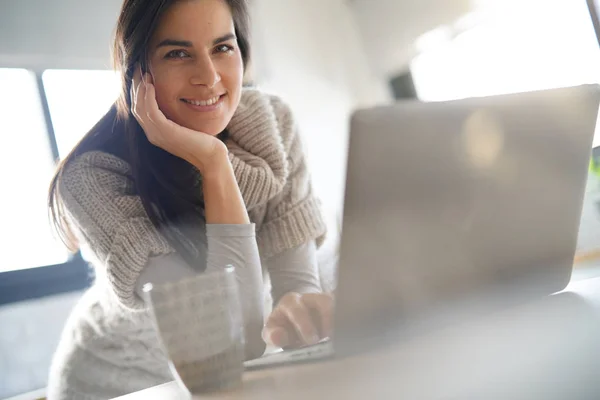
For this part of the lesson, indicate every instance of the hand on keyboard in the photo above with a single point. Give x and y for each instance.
(299, 320)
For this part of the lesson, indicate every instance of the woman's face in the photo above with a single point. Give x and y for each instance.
(196, 65)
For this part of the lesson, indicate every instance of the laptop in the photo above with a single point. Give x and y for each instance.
(453, 209)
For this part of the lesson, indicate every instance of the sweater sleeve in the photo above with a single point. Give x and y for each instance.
(294, 270)
(293, 217)
(98, 194)
(236, 245)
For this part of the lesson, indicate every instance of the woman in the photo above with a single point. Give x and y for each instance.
(187, 172)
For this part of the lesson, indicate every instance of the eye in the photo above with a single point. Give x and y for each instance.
(224, 48)
(177, 54)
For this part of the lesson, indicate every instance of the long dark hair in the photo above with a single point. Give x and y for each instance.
(165, 183)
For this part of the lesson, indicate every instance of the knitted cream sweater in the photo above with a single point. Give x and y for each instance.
(110, 330)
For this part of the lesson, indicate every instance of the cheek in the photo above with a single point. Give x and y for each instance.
(167, 89)
(235, 71)
(164, 92)
(233, 75)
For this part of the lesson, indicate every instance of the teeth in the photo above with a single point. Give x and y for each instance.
(204, 103)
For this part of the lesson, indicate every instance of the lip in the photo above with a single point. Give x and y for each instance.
(210, 108)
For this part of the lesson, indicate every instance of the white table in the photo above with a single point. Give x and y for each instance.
(549, 349)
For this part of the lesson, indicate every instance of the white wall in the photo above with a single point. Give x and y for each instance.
(57, 33)
(390, 27)
(310, 52)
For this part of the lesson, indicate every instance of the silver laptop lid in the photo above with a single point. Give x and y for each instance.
(444, 199)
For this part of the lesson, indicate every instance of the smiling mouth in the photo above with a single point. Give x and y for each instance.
(203, 103)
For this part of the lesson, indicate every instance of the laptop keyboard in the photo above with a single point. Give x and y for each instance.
(321, 350)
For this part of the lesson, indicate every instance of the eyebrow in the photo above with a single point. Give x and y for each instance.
(174, 43)
(186, 43)
(224, 38)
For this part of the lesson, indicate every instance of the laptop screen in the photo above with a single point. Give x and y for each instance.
(594, 7)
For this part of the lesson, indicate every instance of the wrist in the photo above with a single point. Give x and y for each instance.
(217, 171)
(222, 198)
(215, 165)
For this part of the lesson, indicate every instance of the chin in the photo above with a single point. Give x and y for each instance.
(212, 128)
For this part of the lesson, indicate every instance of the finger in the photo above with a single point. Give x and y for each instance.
(132, 98)
(151, 109)
(139, 95)
(137, 81)
(276, 335)
(299, 317)
(148, 78)
(276, 320)
(279, 331)
(132, 90)
(321, 305)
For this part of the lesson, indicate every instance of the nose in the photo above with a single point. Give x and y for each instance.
(205, 73)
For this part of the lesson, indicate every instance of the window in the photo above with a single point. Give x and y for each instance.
(77, 100)
(540, 45)
(43, 116)
(25, 169)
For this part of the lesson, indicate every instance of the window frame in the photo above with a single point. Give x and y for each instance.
(43, 281)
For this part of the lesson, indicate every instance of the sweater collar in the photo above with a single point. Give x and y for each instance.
(256, 150)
